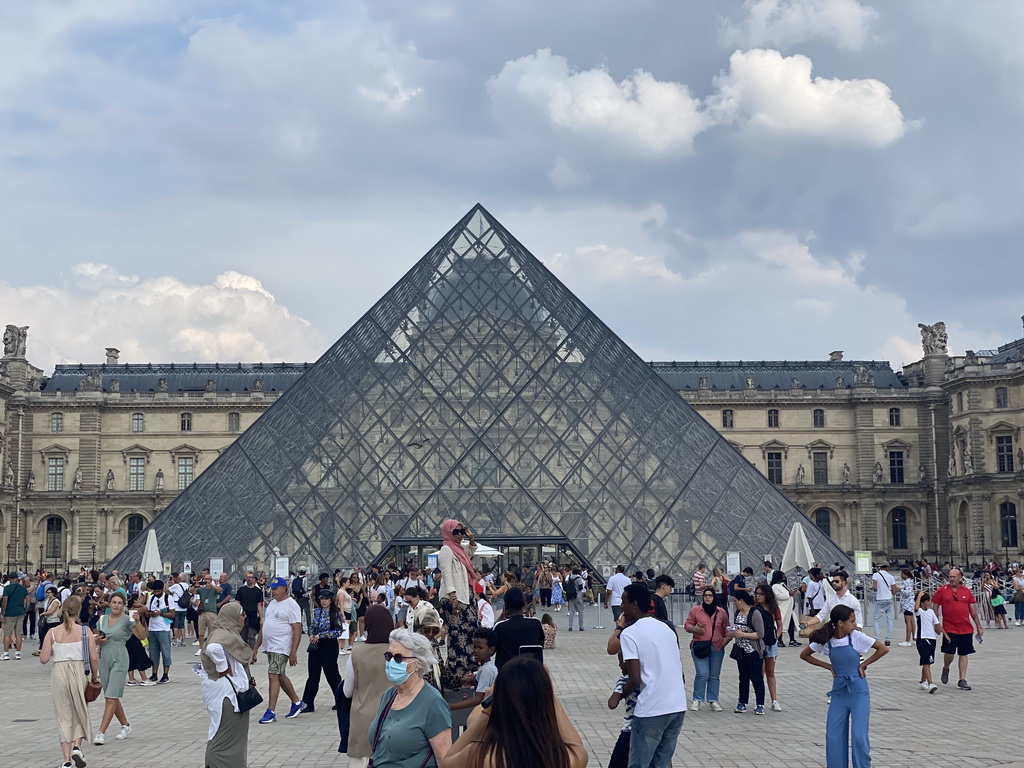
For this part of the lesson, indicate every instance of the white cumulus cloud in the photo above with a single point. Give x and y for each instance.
(158, 319)
(782, 23)
(639, 114)
(765, 92)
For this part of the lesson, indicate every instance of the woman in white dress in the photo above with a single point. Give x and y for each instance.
(784, 597)
(225, 674)
(65, 643)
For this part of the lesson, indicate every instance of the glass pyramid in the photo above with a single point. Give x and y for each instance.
(480, 388)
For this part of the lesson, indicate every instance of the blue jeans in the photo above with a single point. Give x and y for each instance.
(160, 645)
(653, 740)
(883, 608)
(709, 676)
(1018, 611)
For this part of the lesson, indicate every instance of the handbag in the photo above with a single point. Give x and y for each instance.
(92, 690)
(737, 653)
(248, 698)
(1018, 596)
(702, 648)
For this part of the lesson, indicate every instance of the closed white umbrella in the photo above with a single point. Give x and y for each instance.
(798, 551)
(151, 562)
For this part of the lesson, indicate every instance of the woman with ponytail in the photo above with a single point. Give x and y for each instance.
(73, 650)
(850, 708)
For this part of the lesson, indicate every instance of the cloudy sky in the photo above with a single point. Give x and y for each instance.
(224, 180)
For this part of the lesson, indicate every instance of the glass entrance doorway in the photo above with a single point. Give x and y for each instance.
(495, 553)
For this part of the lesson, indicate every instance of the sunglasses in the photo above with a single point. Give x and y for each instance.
(836, 582)
(459, 532)
(399, 657)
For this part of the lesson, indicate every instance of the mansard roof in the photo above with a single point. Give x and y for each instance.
(774, 374)
(180, 377)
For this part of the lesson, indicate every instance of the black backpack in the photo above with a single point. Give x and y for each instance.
(185, 599)
(572, 588)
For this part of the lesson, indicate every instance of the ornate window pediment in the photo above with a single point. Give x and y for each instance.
(774, 445)
(55, 450)
(821, 445)
(1003, 428)
(136, 451)
(185, 451)
(897, 445)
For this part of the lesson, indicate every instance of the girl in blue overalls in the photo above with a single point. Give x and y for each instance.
(843, 643)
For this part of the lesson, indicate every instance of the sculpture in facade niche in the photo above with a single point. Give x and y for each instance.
(968, 460)
(15, 341)
(161, 385)
(110, 479)
(951, 470)
(160, 479)
(31, 481)
(846, 474)
(8, 475)
(933, 338)
(923, 470)
(76, 483)
(878, 472)
(801, 473)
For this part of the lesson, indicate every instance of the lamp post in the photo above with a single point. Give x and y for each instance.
(922, 547)
(967, 554)
(983, 546)
(94, 557)
(41, 557)
(865, 543)
(9, 558)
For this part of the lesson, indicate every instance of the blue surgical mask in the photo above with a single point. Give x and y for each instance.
(397, 672)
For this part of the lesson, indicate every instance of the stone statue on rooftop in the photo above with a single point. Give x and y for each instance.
(749, 382)
(161, 385)
(257, 386)
(933, 338)
(15, 341)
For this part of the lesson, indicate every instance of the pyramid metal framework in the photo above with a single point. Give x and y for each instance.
(480, 388)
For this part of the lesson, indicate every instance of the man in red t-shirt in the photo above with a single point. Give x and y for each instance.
(954, 605)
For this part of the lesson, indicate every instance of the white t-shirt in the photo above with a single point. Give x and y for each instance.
(883, 586)
(616, 584)
(656, 647)
(814, 594)
(162, 603)
(278, 617)
(861, 643)
(848, 600)
(926, 621)
(176, 591)
(485, 675)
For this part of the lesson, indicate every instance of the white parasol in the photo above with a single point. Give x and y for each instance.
(151, 562)
(798, 550)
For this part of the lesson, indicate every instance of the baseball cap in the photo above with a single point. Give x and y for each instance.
(302, 570)
(278, 581)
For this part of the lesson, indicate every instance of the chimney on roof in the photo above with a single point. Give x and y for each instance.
(112, 355)
(835, 357)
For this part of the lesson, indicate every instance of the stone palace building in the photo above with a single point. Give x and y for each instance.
(924, 461)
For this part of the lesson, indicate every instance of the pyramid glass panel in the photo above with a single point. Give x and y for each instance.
(478, 387)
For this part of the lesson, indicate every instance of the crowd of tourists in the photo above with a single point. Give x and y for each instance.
(400, 650)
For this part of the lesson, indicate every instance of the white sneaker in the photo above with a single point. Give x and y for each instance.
(905, 644)
(695, 706)
(147, 681)
(776, 707)
(123, 733)
(98, 741)
(17, 655)
(5, 657)
(925, 686)
(196, 643)
(199, 652)
(715, 707)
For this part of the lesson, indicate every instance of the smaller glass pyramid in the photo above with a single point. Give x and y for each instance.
(480, 388)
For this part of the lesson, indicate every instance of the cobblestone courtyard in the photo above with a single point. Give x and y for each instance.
(909, 727)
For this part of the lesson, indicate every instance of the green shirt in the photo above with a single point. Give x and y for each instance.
(15, 593)
(208, 599)
(404, 738)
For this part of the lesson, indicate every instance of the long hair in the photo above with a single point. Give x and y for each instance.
(822, 635)
(70, 611)
(523, 729)
(770, 603)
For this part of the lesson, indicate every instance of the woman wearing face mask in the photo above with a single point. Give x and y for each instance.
(707, 624)
(413, 726)
(225, 674)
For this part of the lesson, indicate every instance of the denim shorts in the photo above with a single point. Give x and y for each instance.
(771, 651)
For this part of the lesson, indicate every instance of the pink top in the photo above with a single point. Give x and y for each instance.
(714, 627)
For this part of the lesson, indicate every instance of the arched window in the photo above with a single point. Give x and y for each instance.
(54, 537)
(135, 525)
(823, 520)
(899, 528)
(819, 417)
(186, 422)
(1008, 523)
(727, 418)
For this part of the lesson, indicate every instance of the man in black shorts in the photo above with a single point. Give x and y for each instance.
(955, 607)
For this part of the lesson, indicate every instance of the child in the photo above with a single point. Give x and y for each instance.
(550, 630)
(484, 611)
(927, 626)
(999, 609)
(620, 753)
(484, 644)
(846, 727)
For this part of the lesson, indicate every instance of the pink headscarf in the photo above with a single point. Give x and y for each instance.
(448, 540)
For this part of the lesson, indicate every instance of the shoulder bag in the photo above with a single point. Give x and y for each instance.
(92, 690)
(248, 698)
(702, 648)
